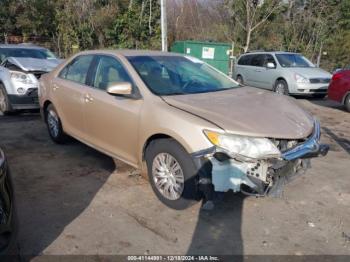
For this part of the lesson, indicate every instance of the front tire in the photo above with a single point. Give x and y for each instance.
(54, 125)
(5, 106)
(281, 87)
(172, 173)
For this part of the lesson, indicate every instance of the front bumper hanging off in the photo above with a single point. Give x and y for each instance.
(310, 148)
(260, 177)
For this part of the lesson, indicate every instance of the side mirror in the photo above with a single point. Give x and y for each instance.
(120, 89)
(270, 65)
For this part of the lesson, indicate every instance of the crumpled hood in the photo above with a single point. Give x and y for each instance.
(248, 111)
(312, 72)
(34, 64)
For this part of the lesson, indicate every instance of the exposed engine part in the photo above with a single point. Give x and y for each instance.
(264, 177)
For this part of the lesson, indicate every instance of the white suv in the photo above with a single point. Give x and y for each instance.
(21, 66)
(282, 72)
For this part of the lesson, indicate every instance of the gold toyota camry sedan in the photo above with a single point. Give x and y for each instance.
(194, 130)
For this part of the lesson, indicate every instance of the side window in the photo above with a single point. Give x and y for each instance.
(269, 59)
(245, 60)
(109, 71)
(242, 60)
(77, 70)
(258, 60)
(63, 73)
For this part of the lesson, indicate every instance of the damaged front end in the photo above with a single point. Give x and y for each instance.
(221, 170)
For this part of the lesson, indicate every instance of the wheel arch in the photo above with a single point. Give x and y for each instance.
(45, 106)
(279, 79)
(345, 96)
(3, 84)
(153, 138)
(163, 135)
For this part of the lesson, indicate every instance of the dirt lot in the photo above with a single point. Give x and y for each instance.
(72, 201)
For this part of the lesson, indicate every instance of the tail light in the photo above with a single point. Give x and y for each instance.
(337, 76)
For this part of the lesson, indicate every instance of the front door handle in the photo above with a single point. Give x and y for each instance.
(258, 70)
(55, 87)
(88, 98)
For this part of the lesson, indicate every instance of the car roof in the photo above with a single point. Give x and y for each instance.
(128, 52)
(22, 46)
(268, 52)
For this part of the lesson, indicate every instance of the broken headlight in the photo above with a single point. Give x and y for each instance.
(21, 77)
(248, 147)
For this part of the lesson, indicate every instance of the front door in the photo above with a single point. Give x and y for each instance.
(112, 121)
(269, 74)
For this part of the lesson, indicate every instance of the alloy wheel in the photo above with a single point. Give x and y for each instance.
(53, 123)
(168, 176)
(280, 89)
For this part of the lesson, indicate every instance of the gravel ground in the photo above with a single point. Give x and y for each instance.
(72, 200)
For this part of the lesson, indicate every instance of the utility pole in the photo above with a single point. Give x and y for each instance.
(164, 25)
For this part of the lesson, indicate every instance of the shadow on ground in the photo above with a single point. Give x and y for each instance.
(341, 141)
(57, 171)
(325, 102)
(218, 232)
(54, 184)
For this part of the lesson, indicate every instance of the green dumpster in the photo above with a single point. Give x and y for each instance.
(215, 54)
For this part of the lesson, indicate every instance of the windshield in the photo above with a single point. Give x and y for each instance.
(293, 60)
(26, 52)
(173, 75)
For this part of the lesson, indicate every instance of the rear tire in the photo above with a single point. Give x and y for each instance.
(172, 173)
(281, 87)
(54, 125)
(5, 105)
(240, 79)
(347, 103)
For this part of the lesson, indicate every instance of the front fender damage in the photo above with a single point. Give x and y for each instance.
(222, 172)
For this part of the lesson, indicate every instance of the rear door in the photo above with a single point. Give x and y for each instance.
(68, 89)
(243, 68)
(112, 121)
(256, 70)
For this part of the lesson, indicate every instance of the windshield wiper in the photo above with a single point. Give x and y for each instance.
(174, 94)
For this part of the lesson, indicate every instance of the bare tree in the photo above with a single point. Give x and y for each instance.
(249, 15)
(203, 20)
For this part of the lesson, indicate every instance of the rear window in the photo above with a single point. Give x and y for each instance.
(77, 70)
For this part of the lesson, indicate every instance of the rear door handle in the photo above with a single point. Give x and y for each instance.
(55, 87)
(258, 70)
